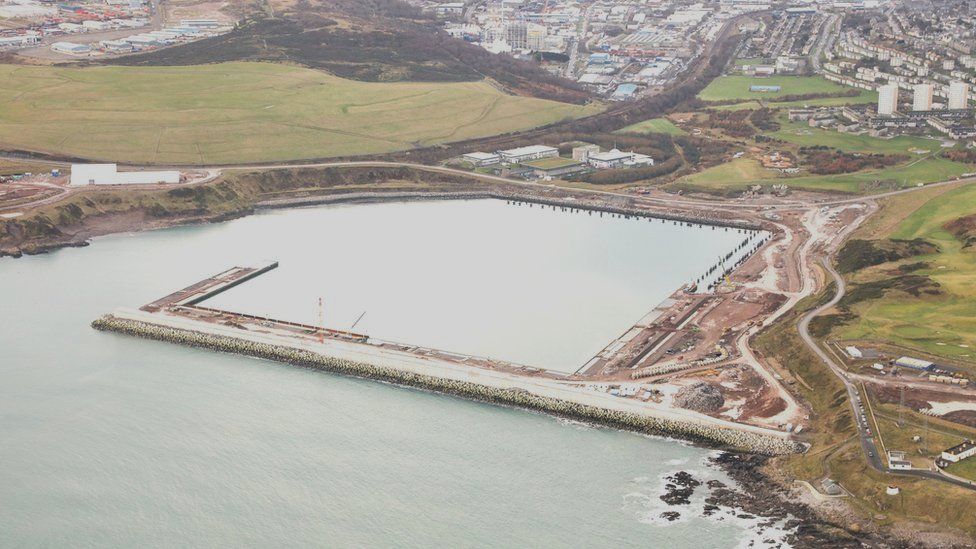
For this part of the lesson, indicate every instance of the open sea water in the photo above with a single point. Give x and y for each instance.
(113, 441)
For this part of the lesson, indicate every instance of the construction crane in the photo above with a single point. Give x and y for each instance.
(351, 328)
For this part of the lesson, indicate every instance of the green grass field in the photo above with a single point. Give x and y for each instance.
(927, 170)
(10, 167)
(744, 172)
(943, 325)
(865, 97)
(803, 135)
(735, 174)
(246, 112)
(654, 125)
(727, 88)
(551, 163)
(965, 469)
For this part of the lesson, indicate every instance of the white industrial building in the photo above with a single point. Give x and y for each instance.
(71, 48)
(116, 46)
(142, 40)
(531, 152)
(109, 174)
(19, 40)
(449, 8)
(200, 23)
(481, 158)
(898, 460)
(888, 99)
(615, 158)
(960, 452)
(914, 363)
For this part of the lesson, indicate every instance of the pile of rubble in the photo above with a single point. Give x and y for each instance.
(701, 397)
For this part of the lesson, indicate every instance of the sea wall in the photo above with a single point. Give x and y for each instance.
(709, 435)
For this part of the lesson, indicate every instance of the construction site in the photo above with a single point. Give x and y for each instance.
(687, 360)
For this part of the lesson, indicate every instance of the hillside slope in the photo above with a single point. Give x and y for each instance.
(246, 112)
(370, 40)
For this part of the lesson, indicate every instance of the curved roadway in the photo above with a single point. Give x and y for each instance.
(678, 201)
(866, 439)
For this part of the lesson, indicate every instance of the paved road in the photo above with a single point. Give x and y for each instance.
(673, 201)
(867, 441)
(829, 29)
(576, 43)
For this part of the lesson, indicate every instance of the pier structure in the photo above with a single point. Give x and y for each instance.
(180, 317)
(210, 286)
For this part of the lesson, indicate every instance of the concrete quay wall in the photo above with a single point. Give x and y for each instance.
(707, 434)
(369, 197)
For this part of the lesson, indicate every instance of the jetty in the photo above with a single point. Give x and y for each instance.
(181, 318)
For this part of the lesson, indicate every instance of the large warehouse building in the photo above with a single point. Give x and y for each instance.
(109, 174)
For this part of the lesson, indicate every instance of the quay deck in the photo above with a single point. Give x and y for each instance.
(210, 286)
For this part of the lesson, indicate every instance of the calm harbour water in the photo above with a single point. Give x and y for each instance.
(107, 440)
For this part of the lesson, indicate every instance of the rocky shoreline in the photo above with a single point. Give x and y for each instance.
(711, 436)
(758, 495)
(80, 236)
(779, 519)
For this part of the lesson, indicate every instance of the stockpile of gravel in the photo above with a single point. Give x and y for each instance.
(701, 397)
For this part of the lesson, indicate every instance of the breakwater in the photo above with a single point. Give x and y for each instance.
(568, 204)
(709, 435)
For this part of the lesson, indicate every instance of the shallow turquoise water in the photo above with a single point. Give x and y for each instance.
(107, 440)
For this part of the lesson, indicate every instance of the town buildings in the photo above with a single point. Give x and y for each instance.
(922, 100)
(887, 99)
(958, 95)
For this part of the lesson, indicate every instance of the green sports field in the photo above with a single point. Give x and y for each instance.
(732, 88)
(654, 125)
(246, 112)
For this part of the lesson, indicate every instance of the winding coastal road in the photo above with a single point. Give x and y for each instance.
(675, 200)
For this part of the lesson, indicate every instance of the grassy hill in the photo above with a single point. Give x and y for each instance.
(744, 172)
(922, 163)
(246, 112)
(654, 125)
(369, 40)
